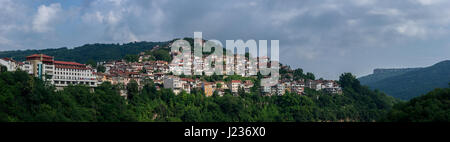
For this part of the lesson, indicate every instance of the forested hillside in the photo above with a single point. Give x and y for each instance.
(82, 54)
(380, 74)
(412, 83)
(432, 107)
(23, 98)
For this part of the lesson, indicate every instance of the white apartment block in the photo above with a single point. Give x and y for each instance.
(10, 64)
(66, 73)
(174, 83)
(234, 86)
(59, 73)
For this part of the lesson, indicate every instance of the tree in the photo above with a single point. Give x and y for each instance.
(310, 75)
(92, 63)
(298, 73)
(101, 68)
(97, 52)
(162, 54)
(348, 80)
(144, 70)
(25, 98)
(131, 58)
(431, 107)
(3, 68)
(132, 89)
(241, 92)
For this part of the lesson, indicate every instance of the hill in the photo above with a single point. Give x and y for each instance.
(96, 52)
(380, 74)
(432, 107)
(28, 99)
(408, 83)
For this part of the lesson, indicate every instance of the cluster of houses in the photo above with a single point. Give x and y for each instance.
(162, 74)
(121, 72)
(298, 87)
(178, 85)
(61, 74)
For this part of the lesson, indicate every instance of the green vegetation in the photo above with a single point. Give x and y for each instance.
(432, 107)
(96, 52)
(3, 68)
(408, 83)
(92, 63)
(160, 54)
(131, 58)
(101, 68)
(296, 74)
(23, 98)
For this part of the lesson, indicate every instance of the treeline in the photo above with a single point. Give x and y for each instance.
(96, 52)
(432, 107)
(23, 98)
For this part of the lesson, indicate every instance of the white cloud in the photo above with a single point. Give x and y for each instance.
(315, 31)
(281, 17)
(363, 2)
(117, 2)
(352, 22)
(42, 20)
(411, 28)
(111, 17)
(429, 2)
(4, 41)
(386, 12)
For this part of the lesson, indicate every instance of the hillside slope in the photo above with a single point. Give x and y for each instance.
(432, 107)
(380, 74)
(96, 52)
(412, 83)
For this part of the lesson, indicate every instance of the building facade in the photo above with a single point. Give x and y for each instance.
(59, 73)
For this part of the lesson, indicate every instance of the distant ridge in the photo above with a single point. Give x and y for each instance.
(407, 83)
(380, 74)
(95, 52)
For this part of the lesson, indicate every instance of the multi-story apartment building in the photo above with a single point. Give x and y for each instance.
(174, 83)
(66, 73)
(234, 86)
(208, 88)
(59, 73)
(10, 64)
(39, 65)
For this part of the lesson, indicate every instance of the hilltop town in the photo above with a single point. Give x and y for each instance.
(149, 66)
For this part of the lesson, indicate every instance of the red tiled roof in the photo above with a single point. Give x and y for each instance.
(134, 73)
(39, 55)
(68, 63)
(8, 59)
(235, 81)
(187, 79)
(70, 67)
(161, 62)
(207, 83)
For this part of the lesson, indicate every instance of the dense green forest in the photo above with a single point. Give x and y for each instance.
(23, 98)
(432, 107)
(409, 83)
(96, 52)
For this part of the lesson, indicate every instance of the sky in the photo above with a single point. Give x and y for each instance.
(326, 37)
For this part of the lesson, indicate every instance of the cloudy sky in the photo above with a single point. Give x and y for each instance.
(327, 37)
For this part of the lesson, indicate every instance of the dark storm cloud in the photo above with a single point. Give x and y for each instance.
(326, 37)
